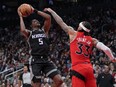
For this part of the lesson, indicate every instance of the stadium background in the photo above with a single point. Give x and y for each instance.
(14, 51)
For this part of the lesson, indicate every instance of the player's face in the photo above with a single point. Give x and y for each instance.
(35, 23)
(25, 69)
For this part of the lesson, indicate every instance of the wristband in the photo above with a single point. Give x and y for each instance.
(35, 11)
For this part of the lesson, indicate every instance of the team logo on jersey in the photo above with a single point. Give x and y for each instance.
(38, 36)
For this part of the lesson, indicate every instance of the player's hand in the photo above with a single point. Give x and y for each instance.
(35, 10)
(32, 9)
(48, 10)
(19, 13)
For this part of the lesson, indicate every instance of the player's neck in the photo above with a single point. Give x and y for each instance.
(35, 28)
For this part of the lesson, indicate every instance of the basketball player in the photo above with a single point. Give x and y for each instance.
(81, 44)
(38, 41)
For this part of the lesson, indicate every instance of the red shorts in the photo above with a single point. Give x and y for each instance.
(87, 71)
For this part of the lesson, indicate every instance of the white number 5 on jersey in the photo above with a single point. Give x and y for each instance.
(40, 41)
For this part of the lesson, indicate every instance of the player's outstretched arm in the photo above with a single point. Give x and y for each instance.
(104, 48)
(47, 22)
(59, 20)
(23, 29)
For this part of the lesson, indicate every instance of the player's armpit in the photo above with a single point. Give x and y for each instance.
(71, 31)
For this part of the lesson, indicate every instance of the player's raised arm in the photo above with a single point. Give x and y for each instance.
(47, 22)
(59, 20)
(23, 29)
(104, 48)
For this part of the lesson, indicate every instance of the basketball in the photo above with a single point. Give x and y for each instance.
(25, 9)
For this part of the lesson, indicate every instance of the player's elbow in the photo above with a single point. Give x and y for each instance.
(48, 17)
(22, 30)
(106, 49)
(101, 46)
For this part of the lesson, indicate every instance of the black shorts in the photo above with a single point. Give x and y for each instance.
(41, 65)
(26, 85)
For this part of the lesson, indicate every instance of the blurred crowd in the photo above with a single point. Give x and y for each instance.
(14, 50)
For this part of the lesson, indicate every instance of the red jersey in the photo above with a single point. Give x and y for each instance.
(81, 48)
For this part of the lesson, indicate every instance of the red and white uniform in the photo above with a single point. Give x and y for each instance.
(81, 49)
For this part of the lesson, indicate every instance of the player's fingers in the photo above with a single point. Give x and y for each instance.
(19, 13)
(46, 9)
(32, 8)
(18, 10)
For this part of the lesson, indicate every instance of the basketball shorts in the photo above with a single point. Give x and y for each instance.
(40, 65)
(86, 71)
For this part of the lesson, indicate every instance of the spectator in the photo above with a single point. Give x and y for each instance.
(105, 79)
(25, 78)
